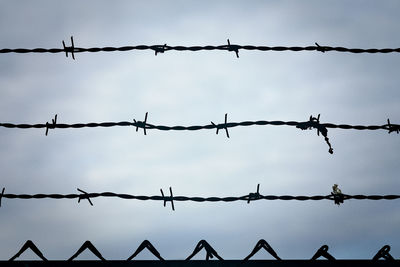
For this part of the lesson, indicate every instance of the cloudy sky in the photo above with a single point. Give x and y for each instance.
(194, 88)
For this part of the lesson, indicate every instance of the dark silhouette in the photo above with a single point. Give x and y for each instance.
(227, 47)
(313, 123)
(210, 252)
(87, 245)
(150, 247)
(29, 244)
(323, 252)
(262, 244)
(383, 253)
(337, 198)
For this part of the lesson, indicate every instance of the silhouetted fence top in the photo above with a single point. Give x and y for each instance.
(202, 245)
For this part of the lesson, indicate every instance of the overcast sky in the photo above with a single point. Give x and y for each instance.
(194, 88)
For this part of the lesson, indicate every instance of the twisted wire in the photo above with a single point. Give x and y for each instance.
(227, 47)
(140, 124)
(196, 199)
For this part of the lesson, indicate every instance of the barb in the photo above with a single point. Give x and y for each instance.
(393, 127)
(141, 124)
(229, 47)
(254, 196)
(84, 195)
(312, 123)
(53, 124)
(171, 198)
(222, 126)
(1, 195)
(320, 48)
(70, 49)
(233, 48)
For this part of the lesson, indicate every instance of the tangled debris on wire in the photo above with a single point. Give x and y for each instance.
(226, 47)
(336, 196)
(312, 123)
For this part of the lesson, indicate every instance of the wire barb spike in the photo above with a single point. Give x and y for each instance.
(84, 195)
(170, 198)
(159, 49)
(70, 49)
(53, 124)
(393, 127)
(222, 125)
(1, 195)
(233, 48)
(320, 48)
(254, 196)
(141, 124)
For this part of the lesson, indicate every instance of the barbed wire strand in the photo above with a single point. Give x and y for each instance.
(171, 198)
(312, 123)
(226, 47)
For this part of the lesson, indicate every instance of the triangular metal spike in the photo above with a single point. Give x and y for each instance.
(150, 247)
(29, 244)
(87, 245)
(383, 253)
(210, 252)
(323, 252)
(263, 244)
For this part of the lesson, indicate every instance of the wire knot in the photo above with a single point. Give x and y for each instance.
(159, 49)
(233, 48)
(222, 125)
(1, 195)
(313, 122)
(254, 196)
(392, 127)
(323, 251)
(52, 125)
(170, 198)
(141, 124)
(383, 253)
(210, 252)
(320, 48)
(338, 197)
(70, 49)
(84, 195)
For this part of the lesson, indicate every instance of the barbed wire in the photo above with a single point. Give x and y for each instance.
(312, 123)
(226, 47)
(336, 196)
(383, 253)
